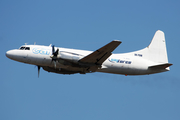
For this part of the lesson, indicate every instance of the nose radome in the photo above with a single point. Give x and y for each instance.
(9, 54)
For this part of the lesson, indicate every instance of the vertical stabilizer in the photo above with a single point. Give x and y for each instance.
(156, 51)
(157, 48)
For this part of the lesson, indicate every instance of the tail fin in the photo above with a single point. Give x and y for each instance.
(157, 48)
(156, 51)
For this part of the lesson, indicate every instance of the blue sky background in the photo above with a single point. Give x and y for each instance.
(88, 25)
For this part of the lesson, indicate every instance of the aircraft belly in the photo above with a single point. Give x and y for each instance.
(124, 71)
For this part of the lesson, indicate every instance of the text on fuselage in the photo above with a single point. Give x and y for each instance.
(40, 51)
(119, 61)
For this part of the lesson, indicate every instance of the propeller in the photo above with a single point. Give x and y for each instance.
(54, 55)
(39, 70)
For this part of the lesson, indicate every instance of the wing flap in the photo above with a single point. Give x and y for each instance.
(99, 56)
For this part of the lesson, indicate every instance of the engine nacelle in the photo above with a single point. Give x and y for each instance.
(70, 56)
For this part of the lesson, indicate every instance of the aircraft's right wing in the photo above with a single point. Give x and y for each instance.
(100, 55)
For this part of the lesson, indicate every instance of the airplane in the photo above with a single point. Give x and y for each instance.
(150, 60)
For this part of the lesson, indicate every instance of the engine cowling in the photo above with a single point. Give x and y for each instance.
(70, 56)
(60, 71)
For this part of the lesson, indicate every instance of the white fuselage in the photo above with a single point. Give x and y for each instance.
(117, 63)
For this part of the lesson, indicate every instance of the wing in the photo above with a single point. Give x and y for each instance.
(99, 56)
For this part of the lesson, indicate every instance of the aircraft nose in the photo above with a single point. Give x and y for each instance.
(10, 54)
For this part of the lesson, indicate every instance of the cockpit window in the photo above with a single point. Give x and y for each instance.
(27, 48)
(24, 48)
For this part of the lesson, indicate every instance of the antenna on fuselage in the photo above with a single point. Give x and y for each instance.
(34, 43)
(25, 43)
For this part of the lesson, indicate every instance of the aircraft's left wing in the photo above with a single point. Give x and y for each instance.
(100, 55)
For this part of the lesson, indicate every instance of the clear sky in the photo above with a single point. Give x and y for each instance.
(88, 25)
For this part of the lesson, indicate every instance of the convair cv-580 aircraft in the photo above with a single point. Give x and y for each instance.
(152, 59)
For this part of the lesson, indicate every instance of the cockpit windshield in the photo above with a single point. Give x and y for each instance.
(24, 48)
(27, 48)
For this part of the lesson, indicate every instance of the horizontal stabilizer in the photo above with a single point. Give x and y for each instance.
(160, 66)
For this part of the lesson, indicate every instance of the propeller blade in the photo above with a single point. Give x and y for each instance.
(39, 70)
(56, 53)
(52, 49)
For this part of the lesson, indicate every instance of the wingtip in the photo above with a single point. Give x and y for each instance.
(117, 41)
